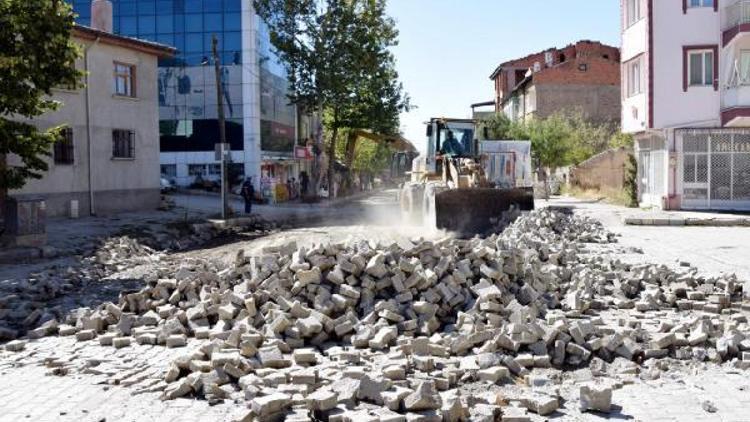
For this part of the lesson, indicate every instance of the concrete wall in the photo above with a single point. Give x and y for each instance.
(598, 102)
(605, 171)
(119, 184)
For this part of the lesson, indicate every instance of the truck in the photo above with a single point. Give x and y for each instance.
(464, 185)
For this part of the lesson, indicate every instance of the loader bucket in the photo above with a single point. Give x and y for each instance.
(472, 211)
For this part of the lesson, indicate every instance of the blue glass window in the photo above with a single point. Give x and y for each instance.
(233, 5)
(232, 41)
(146, 7)
(193, 6)
(179, 23)
(212, 6)
(146, 24)
(194, 23)
(208, 37)
(232, 22)
(165, 24)
(128, 8)
(212, 22)
(84, 21)
(166, 39)
(82, 8)
(179, 6)
(194, 43)
(148, 37)
(179, 42)
(128, 26)
(164, 6)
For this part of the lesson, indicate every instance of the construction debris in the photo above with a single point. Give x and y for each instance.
(382, 332)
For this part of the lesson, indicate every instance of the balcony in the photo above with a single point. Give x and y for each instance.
(736, 21)
(735, 102)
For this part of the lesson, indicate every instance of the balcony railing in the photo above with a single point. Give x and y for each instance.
(737, 14)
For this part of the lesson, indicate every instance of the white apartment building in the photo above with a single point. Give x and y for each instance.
(108, 158)
(686, 98)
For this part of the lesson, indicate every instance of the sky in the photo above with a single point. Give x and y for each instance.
(448, 48)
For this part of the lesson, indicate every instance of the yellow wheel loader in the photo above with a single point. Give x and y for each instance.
(465, 185)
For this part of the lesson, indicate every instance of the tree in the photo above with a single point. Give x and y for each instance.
(338, 60)
(36, 55)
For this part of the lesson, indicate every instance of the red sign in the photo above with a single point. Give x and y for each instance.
(302, 153)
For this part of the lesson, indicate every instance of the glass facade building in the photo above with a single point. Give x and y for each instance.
(261, 125)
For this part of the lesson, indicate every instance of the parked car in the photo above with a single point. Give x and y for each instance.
(167, 185)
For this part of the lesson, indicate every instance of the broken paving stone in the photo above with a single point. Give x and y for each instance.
(424, 397)
(596, 398)
(322, 400)
(120, 342)
(265, 406)
(178, 340)
(15, 345)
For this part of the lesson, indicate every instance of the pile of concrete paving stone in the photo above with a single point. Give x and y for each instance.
(352, 332)
(29, 302)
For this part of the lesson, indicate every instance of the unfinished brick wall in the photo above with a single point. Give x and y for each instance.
(601, 62)
(605, 171)
(598, 103)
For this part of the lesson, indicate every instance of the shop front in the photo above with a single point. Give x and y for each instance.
(695, 169)
(280, 179)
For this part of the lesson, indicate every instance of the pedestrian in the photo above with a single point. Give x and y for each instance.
(303, 181)
(248, 194)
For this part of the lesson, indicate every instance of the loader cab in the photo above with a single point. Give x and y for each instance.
(449, 137)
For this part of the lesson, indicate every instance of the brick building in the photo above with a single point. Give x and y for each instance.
(584, 76)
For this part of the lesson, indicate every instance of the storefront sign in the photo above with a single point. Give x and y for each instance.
(739, 145)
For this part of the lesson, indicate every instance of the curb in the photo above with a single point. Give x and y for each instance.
(697, 222)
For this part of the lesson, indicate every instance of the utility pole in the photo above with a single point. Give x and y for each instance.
(222, 132)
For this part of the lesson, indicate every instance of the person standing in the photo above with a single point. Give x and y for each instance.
(303, 182)
(248, 194)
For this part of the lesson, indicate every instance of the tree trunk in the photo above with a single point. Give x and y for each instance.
(351, 144)
(331, 161)
(3, 192)
(317, 167)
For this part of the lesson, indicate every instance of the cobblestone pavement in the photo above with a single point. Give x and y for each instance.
(107, 388)
(107, 384)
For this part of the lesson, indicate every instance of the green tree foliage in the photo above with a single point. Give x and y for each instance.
(559, 140)
(338, 58)
(369, 156)
(631, 181)
(36, 55)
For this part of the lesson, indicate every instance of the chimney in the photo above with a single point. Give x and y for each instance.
(101, 15)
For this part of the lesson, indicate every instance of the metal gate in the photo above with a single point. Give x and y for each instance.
(715, 168)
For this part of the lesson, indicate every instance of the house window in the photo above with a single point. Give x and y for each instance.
(633, 11)
(701, 3)
(63, 151)
(169, 170)
(124, 80)
(123, 144)
(214, 169)
(634, 77)
(744, 67)
(196, 169)
(701, 68)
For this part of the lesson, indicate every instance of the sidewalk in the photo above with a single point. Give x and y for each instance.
(686, 218)
(657, 217)
(68, 237)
